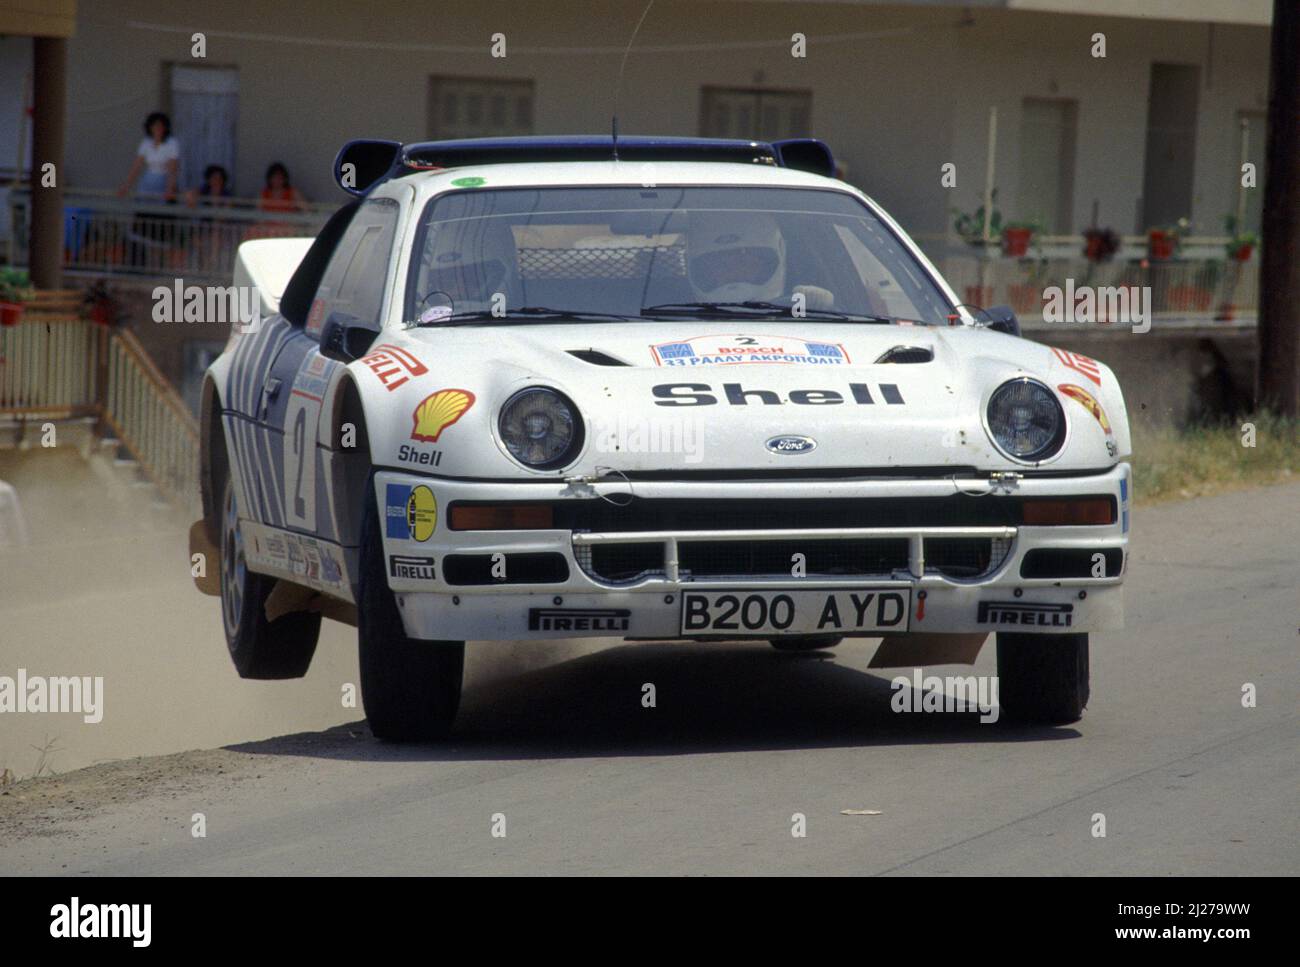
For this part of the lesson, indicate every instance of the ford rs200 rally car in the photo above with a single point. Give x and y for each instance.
(652, 389)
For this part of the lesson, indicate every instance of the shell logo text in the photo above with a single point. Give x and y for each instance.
(439, 410)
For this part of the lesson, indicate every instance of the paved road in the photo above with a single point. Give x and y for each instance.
(743, 738)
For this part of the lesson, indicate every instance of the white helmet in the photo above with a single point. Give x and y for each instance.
(735, 257)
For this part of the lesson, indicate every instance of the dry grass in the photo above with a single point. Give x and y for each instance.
(1173, 464)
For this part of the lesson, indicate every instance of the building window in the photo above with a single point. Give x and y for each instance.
(473, 107)
(1167, 181)
(736, 112)
(1047, 136)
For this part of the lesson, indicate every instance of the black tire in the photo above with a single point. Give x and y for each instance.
(410, 688)
(1043, 678)
(260, 649)
(805, 642)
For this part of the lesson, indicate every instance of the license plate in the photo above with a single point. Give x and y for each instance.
(801, 612)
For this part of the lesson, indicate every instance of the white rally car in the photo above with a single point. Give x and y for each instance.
(652, 389)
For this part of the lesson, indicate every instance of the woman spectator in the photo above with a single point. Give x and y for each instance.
(153, 175)
(216, 243)
(214, 191)
(279, 195)
(157, 162)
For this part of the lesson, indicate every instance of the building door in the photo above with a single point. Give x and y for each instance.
(204, 110)
(1167, 185)
(1046, 194)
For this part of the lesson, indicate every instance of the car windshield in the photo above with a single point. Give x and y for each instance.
(533, 255)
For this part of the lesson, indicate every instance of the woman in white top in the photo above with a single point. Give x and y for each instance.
(157, 162)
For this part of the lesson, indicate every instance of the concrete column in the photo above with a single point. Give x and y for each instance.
(49, 99)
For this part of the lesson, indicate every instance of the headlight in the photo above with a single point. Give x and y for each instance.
(541, 428)
(1025, 420)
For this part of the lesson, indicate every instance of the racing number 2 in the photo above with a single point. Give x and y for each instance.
(300, 459)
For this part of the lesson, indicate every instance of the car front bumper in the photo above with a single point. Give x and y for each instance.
(507, 602)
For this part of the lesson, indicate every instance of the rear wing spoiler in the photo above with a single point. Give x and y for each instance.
(363, 164)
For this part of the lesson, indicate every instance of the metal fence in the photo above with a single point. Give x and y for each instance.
(56, 366)
(103, 234)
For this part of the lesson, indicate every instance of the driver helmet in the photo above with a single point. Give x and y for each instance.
(735, 257)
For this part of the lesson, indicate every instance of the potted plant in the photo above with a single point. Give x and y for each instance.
(15, 293)
(1100, 244)
(1016, 237)
(970, 225)
(1240, 244)
(98, 304)
(1162, 243)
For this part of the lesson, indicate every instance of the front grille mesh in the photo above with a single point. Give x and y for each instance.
(956, 558)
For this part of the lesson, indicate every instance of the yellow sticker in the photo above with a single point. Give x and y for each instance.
(421, 513)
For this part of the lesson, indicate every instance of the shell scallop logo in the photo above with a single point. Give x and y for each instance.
(1089, 402)
(439, 410)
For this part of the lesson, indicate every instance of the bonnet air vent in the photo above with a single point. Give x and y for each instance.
(596, 357)
(906, 354)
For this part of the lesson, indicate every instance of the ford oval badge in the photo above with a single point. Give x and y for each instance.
(791, 444)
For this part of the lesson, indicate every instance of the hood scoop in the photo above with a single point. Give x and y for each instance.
(907, 354)
(596, 357)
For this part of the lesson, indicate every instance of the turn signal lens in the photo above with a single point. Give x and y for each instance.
(1067, 512)
(501, 517)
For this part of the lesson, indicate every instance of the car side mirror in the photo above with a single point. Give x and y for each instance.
(344, 337)
(1003, 319)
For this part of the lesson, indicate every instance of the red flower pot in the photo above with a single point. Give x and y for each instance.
(1015, 241)
(10, 313)
(1160, 245)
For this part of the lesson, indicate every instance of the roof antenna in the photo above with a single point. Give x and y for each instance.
(618, 87)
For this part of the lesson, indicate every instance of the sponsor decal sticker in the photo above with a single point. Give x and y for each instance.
(393, 365)
(437, 411)
(316, 316)
(1088, 402)
(411, 568)
(410, 513)
(729, 350)
(578, 619)
(1025, 613)
(702, 394)
(1079, 363)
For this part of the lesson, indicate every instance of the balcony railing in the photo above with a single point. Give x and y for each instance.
(107, 235)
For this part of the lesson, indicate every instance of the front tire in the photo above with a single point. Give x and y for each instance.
(1043, 678)
(410, 688)
(260, 649)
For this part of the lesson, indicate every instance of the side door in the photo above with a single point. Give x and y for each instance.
(354, 283)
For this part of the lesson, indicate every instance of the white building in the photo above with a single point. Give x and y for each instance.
(1148, 133)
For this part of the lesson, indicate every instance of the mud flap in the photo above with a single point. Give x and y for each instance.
(914, 650)
(209, 581)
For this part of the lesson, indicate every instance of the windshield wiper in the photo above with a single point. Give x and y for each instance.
(755, 310)
(522, 314)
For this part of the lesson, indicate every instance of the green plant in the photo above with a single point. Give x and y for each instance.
(1237, 240)
(970, 225)
(15, 286)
